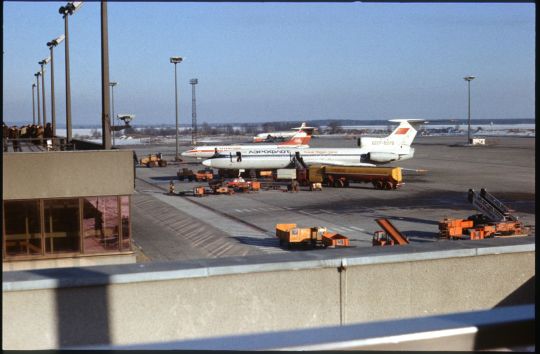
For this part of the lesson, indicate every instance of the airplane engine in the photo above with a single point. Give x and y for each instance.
(383, 156)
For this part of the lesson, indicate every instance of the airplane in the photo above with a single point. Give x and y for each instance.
(372, 152)
(282, 135)
(300, 140)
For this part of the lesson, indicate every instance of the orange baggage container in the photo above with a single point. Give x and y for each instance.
(255, 185)
(335, 240)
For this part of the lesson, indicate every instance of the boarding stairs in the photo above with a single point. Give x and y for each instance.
(490, 207)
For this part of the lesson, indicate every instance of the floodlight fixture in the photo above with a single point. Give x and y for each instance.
(113, 83)
(45, 61)
(469, 78)
(194, 81)
(37, 74)
(56, 41)
(70, 8)
(176, 60)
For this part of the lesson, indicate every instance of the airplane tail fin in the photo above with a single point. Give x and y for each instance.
(300, 138)
(405, 133)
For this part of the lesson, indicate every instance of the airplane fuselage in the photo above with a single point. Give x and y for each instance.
(272, 158)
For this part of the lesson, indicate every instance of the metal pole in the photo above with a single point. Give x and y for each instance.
(53, 113)
(38, 105)
(43, 93)
(33, 106)
(469, 120)
(193, 82)
(68, 87)
(105, 94)
(113, 133)
(176, 103)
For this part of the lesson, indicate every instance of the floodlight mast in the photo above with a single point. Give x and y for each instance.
(469, 79)
(51, 46)
(37, 75)
(43, 63)
(176, 60)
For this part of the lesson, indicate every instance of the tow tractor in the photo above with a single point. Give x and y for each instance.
(495, 220)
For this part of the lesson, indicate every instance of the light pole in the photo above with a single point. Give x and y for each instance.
(51, 45)
(37, 75)
(469, 79)
(193, 82)
(105, 92)
(112, 84)
(33, 106)
(43, 63)
(67, 10)
(176, 60)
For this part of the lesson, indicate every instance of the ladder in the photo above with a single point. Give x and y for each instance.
(490, 206)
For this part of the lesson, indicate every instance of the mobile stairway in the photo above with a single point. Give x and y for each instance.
(492, 208)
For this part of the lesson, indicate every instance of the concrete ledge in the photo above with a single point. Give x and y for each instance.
(133, 273)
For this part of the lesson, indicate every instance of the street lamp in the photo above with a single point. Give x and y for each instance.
(37, 75)
(43, 63)
(176, 60)
(33, 106)
(469, 79)
(193, 82)
(69, 9)
(51, 45)
(112, 84)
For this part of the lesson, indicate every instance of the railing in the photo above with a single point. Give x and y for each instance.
(36, 144)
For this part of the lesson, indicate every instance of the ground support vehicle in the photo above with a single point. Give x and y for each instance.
(185, 173)
(153, 160)
(315, 186)
(201, 191)
(390, 236)
(290, 235)
(495, 220)
(339, 176)
(204, 175)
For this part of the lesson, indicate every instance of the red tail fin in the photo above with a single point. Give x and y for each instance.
(300, 138)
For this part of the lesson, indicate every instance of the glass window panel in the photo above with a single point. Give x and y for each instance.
(62, 230)
(23, 227)
(100, 224)
(126, 223)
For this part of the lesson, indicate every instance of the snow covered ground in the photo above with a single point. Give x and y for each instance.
(527, 130)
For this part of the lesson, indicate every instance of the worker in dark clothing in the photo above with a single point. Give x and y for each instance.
(48, 131)
(5, 135)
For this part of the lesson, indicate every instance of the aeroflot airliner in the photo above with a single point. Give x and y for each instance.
(300, 140)
(372, 152)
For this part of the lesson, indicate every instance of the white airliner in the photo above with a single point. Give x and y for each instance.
(273, 136)
(372, 151)
(299, 140)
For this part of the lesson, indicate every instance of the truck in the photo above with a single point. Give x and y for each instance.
(185, 173)
(290, 234)
(204, 175)
(153, 160)
(341, 176)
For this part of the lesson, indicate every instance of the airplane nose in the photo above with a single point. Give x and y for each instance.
(207, 163)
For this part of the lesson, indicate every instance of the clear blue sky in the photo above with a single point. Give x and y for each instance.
(279, 61)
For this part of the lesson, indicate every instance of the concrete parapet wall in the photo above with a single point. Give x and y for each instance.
(58, 174)
(146, 303)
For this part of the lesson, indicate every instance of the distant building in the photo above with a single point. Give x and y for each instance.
(66, 208)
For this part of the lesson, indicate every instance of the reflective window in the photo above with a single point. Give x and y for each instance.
(22, 227)
(62, 230)
(126, 225)
(101, 231)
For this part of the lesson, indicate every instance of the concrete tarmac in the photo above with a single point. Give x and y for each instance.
(186, 227)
